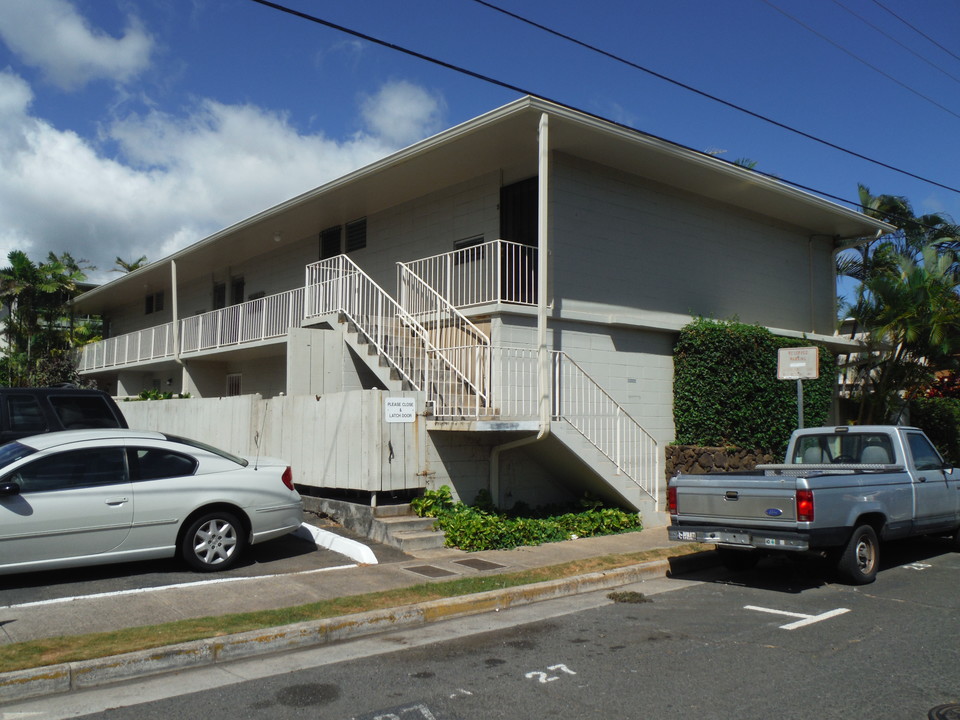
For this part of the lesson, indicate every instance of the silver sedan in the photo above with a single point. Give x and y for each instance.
(88, 497)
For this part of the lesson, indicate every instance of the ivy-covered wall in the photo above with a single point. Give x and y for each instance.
(726, 391)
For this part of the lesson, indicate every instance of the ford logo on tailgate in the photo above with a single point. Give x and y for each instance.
(774, 512)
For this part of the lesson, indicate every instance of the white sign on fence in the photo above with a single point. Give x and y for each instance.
(400, 409)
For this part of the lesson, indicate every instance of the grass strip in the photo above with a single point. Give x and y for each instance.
(73, 648)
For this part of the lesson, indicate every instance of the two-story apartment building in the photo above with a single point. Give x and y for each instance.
(522, 277)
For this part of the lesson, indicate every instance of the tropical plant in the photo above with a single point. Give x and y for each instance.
(38, 323)
(911, 313)
(126, 266)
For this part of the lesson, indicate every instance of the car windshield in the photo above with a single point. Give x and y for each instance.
(209, 448)
(11, 452)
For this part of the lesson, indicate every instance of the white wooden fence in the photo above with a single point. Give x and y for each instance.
(337, 441)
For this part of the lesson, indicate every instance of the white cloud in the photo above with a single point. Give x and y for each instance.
(52, 36)
(401, 112)
(176, 178)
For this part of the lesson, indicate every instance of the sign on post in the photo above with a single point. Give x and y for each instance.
(798, 364)
(801, 363)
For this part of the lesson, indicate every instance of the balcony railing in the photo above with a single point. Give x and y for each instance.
(261, 319)
(142, 346)
(496, 271)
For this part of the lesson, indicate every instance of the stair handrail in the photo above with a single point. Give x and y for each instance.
(431, 309)
(609, 427)
(339, 285)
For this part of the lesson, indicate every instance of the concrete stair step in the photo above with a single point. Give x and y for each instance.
(405, 531)
(383, 511)
(403, 523)
(410, 540)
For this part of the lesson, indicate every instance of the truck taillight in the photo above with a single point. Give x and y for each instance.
(804, 505)
(287, 478)
(672, 500)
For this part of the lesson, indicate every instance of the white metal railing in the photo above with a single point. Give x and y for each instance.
(586, 406)
(495, 271)
(338, 285)
(462, 380)
(140, 346)
(261, 319)
(581, 403)
(267, 317)
(514, 391)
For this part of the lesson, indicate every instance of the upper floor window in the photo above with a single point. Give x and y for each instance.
(330, 242)
(153, 302)
(219, 295)
(356, 235)
(237, 287)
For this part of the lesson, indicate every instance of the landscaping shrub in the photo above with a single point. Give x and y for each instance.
(481, 527)
(726, 391)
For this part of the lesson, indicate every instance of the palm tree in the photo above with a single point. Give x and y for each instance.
(36, 298)
(124, 266)
(912, 313)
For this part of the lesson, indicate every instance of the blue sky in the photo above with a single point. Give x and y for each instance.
(133, 128)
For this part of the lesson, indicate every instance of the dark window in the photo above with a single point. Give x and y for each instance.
(24, 414)
(219, 295)
(518, 212)
(330, 243)
(356, 235)
(236, 290)
(153, 303)
(73, 469)
(83, 412)
(156, 463)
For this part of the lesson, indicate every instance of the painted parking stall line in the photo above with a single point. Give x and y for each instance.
(161, 588)
(803, 620)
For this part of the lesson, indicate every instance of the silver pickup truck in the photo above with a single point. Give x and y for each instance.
(841, 491)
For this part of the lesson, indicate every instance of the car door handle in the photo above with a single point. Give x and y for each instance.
(114, 502)
(921, 479)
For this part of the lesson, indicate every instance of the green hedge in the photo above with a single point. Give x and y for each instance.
(939, 418)
(726, 390)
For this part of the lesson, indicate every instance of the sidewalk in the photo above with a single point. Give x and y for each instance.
(395, 570)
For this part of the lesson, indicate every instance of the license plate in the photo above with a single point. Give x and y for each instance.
(688, 535)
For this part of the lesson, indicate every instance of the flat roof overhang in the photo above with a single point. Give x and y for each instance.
(504, 140)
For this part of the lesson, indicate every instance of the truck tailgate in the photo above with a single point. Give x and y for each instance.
(741, 499)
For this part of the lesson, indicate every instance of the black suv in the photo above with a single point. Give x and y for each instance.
(31, 411)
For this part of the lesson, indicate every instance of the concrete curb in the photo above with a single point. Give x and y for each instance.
(67, 677)
(356, 551)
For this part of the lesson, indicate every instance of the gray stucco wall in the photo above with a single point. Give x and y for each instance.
(655, 255)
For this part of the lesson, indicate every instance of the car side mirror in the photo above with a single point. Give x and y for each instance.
(9, 489)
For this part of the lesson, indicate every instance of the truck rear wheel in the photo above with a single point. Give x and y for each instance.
(860, 558)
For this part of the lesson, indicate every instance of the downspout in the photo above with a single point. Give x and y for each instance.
(176, 318)
(543, 352)
(175, 311)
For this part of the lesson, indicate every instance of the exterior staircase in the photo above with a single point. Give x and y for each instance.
(424, 343)
(397, 525)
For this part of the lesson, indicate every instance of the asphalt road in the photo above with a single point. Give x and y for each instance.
(779, 642)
